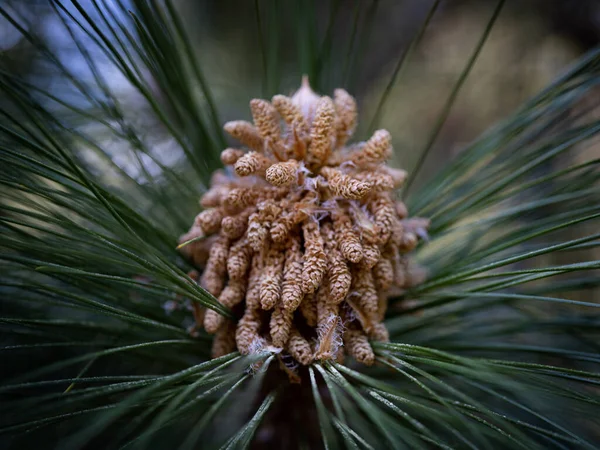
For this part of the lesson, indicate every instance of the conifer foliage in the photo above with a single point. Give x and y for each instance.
(302, 307)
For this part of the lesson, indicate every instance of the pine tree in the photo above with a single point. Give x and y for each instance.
(489, 339)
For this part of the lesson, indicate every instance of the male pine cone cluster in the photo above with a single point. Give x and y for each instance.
(302, 236)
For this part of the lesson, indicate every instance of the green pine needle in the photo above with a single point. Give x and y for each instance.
(497, 348)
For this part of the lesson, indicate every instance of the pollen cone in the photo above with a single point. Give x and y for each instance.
(305, 240)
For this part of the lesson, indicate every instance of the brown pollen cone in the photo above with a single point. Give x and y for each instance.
(304, 239)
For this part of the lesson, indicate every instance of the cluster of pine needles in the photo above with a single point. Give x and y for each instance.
(106, 327)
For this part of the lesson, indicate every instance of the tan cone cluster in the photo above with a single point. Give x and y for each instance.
(303, 237)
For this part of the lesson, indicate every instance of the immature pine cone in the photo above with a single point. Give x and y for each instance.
(304, 239)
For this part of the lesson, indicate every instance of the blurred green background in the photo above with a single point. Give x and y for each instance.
(532, 42)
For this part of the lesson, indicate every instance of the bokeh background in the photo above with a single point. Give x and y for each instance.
(530, 44)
